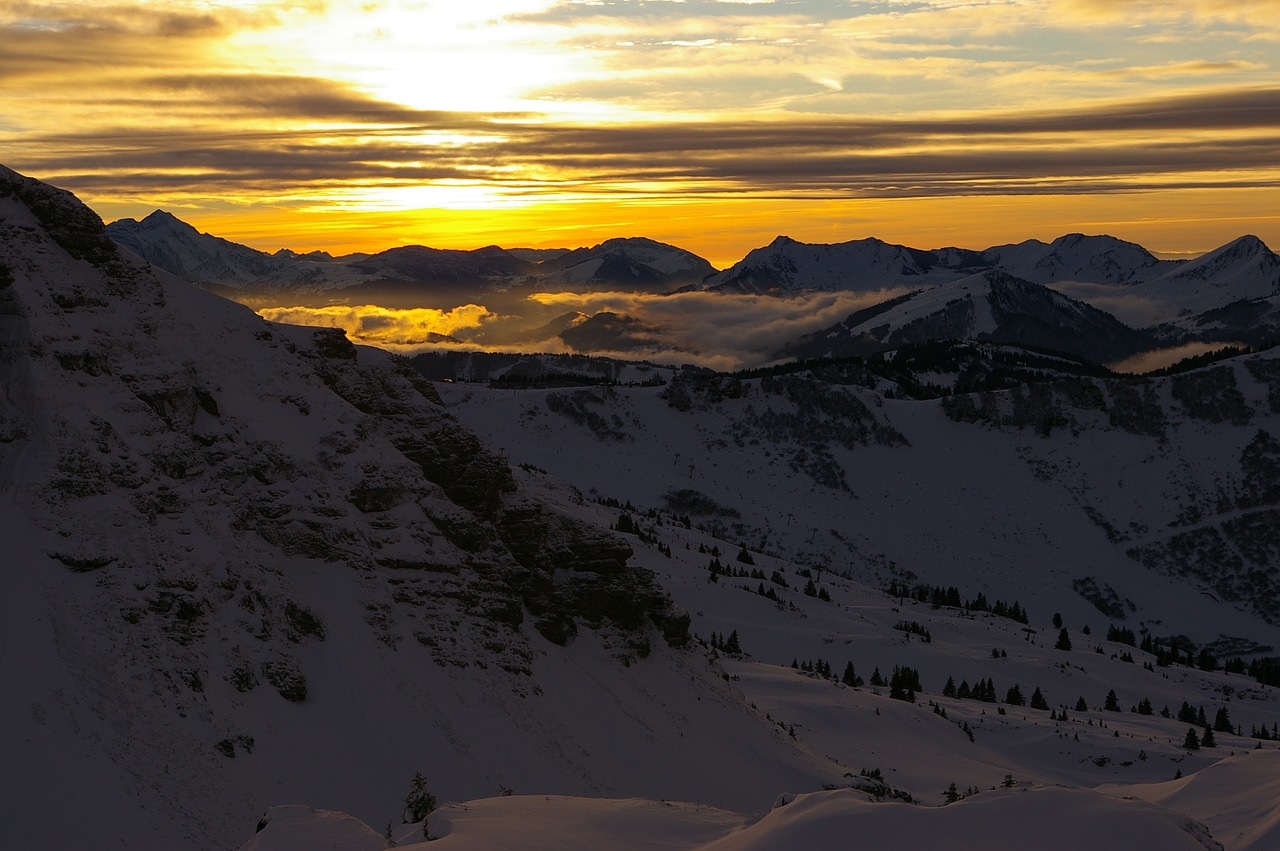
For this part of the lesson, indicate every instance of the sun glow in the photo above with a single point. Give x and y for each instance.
(451, 56)
(352, 124)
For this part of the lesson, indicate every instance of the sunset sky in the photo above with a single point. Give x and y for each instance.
(712, 124)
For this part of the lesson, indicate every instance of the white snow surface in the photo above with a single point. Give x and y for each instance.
(1060, 819)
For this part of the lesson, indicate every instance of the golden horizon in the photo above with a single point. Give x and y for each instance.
(351, 125)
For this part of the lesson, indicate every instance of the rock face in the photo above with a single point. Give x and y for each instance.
(189, 477)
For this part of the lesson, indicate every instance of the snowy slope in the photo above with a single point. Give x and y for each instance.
(870, 264)
(876, 744)
(252, 565)
(239, 553)
(1059, 818)
(178, 248)
(1242, 269)
(632, 263)
(1077, 257)
(1229, 295)
(990, 306)
(1026, 491)
(785, 265)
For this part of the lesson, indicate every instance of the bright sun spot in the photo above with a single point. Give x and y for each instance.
(451, 56)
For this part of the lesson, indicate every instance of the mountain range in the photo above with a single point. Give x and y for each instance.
(251, 564)
(411, 274)
(1090, 296)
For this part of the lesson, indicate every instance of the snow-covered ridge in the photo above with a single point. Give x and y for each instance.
(630, 263)
(871, 264)
(989, 306)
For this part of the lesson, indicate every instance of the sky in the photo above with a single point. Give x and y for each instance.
(715, 125)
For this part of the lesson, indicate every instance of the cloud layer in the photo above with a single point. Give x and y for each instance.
(308, 105)
(718, 331)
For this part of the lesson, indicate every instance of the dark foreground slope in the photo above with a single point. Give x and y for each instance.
(238, 553)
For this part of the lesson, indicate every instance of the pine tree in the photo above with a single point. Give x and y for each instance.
(732, 645)
(1192, 741)
(1206, 741)
(419, 803)
(949, 690)
(850, 678)
(1057, 620)
(1112, 703)
(1037, 699)
(1222, 721)
(1081, 706)
(1014, 696)
(1064, 640)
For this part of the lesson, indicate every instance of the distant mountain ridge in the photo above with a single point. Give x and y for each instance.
(1065, 295)
(628, 264)
(783, 266)
(867, 265)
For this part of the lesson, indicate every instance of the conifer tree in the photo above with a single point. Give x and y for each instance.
(1112, 703)
(1037, 699)
(1081, 706)
(1192, 741)
(1064, 640)
(419, 803)
(1206, 741)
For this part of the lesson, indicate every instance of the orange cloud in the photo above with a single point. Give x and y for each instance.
(388, 328)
